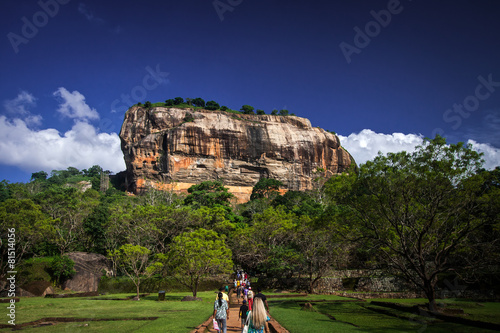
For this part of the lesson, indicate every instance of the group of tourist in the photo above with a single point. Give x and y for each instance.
(253, 311)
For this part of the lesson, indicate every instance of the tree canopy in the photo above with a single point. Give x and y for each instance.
(196, 254)
(417, 210)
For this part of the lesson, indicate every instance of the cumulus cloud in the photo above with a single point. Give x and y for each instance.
(19, 108)
(81, 147)
(47, 149)
(365, 145)
(20, 104)
(74, 106)
(491, 154)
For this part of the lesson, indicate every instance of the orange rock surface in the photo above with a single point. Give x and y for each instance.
(172, 149)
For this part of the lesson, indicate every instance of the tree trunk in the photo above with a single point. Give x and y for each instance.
(195, 290)
(431, 295)
(137, 285)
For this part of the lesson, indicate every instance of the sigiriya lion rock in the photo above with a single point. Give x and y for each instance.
(174, 148)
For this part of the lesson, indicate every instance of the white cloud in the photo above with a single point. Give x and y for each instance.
(47, 149)
(491, 154)
(365, 145)
(81, 147)
(19, 108)
(19, 105)
(74, 106)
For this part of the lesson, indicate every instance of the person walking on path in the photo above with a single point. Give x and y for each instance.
(238, 294)
(258, 318)
(221, 312)
(224, 295)
(250, 298)
(262, 297)
(243, 313)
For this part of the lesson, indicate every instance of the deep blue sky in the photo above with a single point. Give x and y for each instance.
(269, 54)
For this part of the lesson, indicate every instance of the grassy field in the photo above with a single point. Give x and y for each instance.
(173, 315)
(334, 314)
(331, 314)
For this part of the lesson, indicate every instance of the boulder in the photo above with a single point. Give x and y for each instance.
(35, 288)
(89, 268)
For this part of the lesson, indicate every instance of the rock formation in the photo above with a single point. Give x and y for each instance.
(171, 148)
(89, 268)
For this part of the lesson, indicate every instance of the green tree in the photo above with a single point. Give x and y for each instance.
(299, 202)
(260, 112)
(23, 221)
(216, 218)
(199, 102)
(283, 112)
(196, 254)
(321, 249)
(148, 104)
(212, 105)
(4, 190)
(40, 175)
(93, 171)
(274, 112)
(134, 261)
(224, 108)
(94, 227)
(68, 207)
(247, 109)
(178, 100)
(61, 268)
(266, 188)
(208, 193)
(169, 102)
(271, 233)
(417, 209)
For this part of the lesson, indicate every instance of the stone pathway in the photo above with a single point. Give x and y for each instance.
(234, 323)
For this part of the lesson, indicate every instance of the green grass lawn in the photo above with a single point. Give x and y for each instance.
(174, 315)
(365, 317)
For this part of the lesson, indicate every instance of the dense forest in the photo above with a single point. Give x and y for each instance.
(420, 215)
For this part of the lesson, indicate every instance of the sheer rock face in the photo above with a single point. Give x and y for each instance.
(170, 148)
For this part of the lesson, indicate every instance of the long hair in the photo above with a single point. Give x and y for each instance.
(220, 298)
(259, 316)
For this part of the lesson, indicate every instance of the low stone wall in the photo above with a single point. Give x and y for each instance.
(404, 295)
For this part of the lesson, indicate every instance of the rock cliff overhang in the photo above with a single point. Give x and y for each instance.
(172, 148)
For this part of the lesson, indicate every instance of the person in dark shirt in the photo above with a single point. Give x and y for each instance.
(262, 297)
(243, 313)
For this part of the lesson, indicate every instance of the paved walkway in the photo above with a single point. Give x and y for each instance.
(234, 323)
